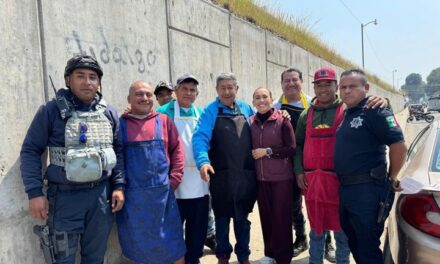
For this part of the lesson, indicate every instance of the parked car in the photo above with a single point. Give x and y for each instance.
(413, 234)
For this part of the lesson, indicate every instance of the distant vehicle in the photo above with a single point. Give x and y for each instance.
(434, 104)
(414, 222)
(428, 117)
(413, 108)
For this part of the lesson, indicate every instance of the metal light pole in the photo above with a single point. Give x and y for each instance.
(393, 78)
(362, 35)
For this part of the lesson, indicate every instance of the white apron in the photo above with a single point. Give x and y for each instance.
(192, 185)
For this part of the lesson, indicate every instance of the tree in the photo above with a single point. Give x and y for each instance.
(413, 79)
(414, 87)
(433, 82)
(433, 78)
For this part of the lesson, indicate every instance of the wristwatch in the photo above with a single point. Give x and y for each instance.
(269, 152)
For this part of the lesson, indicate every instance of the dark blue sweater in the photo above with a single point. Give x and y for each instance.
(47, 130)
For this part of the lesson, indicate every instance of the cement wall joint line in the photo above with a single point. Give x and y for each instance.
(168, 38)
(276, 63)
(230, 41)
(42, 49)
(197, 36)
(265, 54)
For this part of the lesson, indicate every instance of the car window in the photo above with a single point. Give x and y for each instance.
(418, 142)
(435, 164)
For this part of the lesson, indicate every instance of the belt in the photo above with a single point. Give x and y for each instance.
(77, 187)
(377, 174)
(355, 179)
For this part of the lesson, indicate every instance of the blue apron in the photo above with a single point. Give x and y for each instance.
(149, 226)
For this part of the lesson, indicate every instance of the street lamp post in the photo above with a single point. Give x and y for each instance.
(362, 36)
(393, 78)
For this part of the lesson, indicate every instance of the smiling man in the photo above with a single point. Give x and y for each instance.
(192, 194)
(222, 150)
(86, 166)
(149, 226)
(294, 101)
(316, 135)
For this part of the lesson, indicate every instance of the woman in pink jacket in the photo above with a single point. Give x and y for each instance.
(273, 143)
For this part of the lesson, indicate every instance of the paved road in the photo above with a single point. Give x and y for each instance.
(256, 244)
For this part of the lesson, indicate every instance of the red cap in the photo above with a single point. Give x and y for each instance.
(327, 74)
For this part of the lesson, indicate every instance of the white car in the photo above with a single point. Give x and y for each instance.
(414, 222)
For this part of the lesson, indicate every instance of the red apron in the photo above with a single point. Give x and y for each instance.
(322, 194)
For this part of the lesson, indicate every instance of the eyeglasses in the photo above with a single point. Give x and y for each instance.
(82, 132)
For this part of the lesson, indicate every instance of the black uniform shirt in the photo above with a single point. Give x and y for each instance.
(362, 137)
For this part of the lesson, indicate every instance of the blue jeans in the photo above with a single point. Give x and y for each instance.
(359, 208)
(317, 245)
(242, 230)
(211, 222)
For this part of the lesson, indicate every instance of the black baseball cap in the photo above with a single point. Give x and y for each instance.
(186, 77)
(163, 85)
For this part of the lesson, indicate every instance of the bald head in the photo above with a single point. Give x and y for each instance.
(137, 84)
(140, 97)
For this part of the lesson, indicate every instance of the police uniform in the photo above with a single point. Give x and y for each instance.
(86, 164)
(361, 166)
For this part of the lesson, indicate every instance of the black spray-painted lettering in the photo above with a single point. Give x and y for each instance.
(105, 52)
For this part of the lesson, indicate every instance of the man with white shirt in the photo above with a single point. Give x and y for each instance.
(193, 193)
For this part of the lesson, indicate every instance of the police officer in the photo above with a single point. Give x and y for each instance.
(85, 175)
(366, 184)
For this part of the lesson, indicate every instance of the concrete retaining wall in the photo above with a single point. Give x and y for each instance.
(134, 39)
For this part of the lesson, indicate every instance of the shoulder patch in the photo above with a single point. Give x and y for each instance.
(391, 121)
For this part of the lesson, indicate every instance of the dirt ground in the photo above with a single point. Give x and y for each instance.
(256, 243)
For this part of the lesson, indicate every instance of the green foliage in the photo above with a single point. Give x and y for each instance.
(414, 87)
(294, 30)
(413, 79)
(433, 80)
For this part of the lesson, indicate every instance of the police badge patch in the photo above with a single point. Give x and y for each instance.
(356, 122)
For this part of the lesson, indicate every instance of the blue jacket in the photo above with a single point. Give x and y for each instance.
(203, 132)
(47, 130)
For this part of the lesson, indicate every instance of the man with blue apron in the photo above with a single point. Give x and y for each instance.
(222, 149)
(149, 226)
(192, 193)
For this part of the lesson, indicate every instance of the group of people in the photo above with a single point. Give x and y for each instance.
(162, 170)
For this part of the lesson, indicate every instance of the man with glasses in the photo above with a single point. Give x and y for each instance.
(86, 171)
(192, 194)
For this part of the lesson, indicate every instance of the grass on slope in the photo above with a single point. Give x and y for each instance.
(293, 30)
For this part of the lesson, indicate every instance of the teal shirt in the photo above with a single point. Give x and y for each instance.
(168, 109)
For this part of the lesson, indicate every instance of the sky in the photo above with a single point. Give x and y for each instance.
(405, 40)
